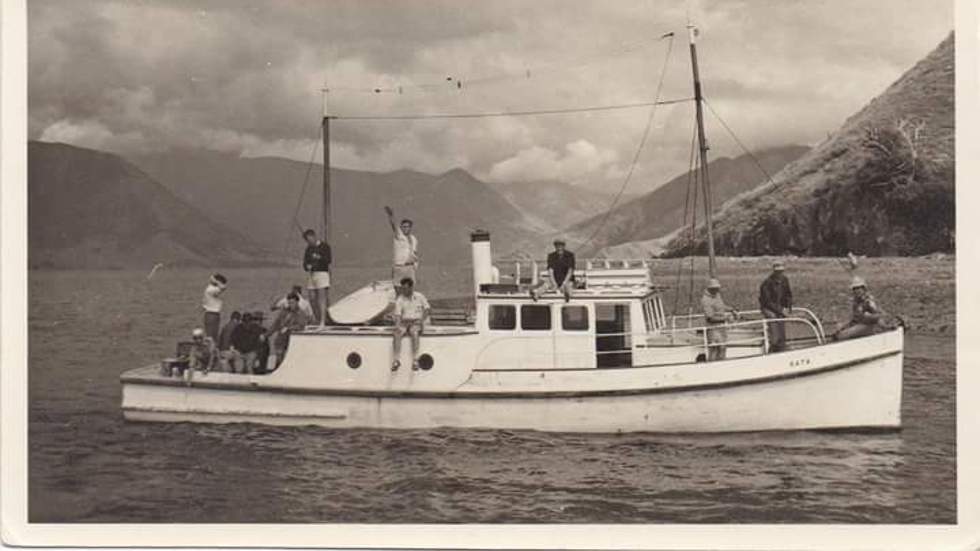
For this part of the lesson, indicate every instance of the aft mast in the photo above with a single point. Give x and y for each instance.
(703, 149)
(326, 178)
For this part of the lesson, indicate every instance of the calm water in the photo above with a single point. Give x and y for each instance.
(88, 465)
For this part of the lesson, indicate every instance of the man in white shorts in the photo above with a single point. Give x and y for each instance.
(411, 313)
(405, 249)
(316, 262)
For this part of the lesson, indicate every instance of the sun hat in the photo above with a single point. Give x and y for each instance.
(714, 284)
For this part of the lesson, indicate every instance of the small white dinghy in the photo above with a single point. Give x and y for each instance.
(364, 304)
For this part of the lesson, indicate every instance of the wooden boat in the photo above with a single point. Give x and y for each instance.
(608, 360)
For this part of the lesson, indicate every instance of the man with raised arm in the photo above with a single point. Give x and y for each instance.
(405, 249)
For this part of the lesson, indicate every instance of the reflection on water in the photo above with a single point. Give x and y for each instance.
(87, 464)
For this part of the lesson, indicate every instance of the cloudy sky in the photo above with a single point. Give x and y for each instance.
(246, 76)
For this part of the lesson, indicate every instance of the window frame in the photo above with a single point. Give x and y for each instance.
(513, 317)
(565, 307)
(544, 307)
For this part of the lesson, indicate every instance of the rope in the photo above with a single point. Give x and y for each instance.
(504, 113)
(639, 149)
(740, 144)
(294, 220)
(687, 205)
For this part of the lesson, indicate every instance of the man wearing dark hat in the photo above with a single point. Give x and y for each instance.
(776, 302)
(561, 266)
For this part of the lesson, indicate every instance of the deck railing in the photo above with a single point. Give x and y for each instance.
(752, 333)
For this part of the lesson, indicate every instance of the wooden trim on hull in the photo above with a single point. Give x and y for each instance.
(463, 395)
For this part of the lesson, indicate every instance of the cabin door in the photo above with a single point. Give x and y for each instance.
(613, 338)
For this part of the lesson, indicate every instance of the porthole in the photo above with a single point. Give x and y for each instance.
(354, 360)
(426, 362)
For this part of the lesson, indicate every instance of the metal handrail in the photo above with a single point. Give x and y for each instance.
(809, 313)
(762, 340)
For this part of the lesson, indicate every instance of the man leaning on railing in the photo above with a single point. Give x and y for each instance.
(776, 302)
(716, 315)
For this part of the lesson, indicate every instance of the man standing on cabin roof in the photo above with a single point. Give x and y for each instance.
(316, 262)
(561, 266)
(212, 303)
(716, 315)
(865, 313)
(411, 314)
(776, 302)
(405, 249)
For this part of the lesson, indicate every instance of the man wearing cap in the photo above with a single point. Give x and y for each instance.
(561, 266)
(212, 305)
(776, 302)
(865, 313)
(291, 319)
(203, 355)
(716, 315)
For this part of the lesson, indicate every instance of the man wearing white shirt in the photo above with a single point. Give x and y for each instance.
(411, 313)
(212, 303)
(405, 249)
(304, 304)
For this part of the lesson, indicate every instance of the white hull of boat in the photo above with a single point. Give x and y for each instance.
(852, 384)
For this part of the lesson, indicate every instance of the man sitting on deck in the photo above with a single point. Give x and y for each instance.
(291, 319)
(411, 313)
(245, 345)
(203, 355)
(716, 315)
(304, 304)
(865, 314)
(561, 266)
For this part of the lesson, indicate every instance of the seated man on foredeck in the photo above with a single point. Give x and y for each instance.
(411, 313)
(291, 319)
(865, 313)
(203, 355)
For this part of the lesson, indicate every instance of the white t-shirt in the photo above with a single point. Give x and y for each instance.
(304, 305)
(212, 301)
(405, 248)
(411, 308)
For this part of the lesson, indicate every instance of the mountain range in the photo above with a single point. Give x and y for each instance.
(89, 209)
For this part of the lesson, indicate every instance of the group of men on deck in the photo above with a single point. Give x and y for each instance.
(776, 305)
(244, 345)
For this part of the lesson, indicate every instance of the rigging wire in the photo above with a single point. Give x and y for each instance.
(294, 220)
(508, 113)
(758, 164)
(639, 149)
(456, 83)
(687, 205)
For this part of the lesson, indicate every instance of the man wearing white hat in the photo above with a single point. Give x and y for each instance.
(865, 314)
(716, 315)
(776, 302)
(211, 303)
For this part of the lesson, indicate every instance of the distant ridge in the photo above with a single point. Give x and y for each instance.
(259, 196)
(89, 209)
(883, 184)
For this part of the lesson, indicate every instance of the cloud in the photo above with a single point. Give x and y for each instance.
(246, 77)
(580, 162)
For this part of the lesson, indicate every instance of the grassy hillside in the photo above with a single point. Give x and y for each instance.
(883, 184)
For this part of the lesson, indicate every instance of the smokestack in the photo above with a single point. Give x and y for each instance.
(482, 259)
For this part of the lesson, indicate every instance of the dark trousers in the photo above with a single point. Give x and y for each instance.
(212, 321)
(777, 330)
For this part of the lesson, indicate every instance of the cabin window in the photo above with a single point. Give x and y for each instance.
(536, 317)
(503, 317)
(575, 318)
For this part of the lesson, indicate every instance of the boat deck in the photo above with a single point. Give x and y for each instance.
(430, 330)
